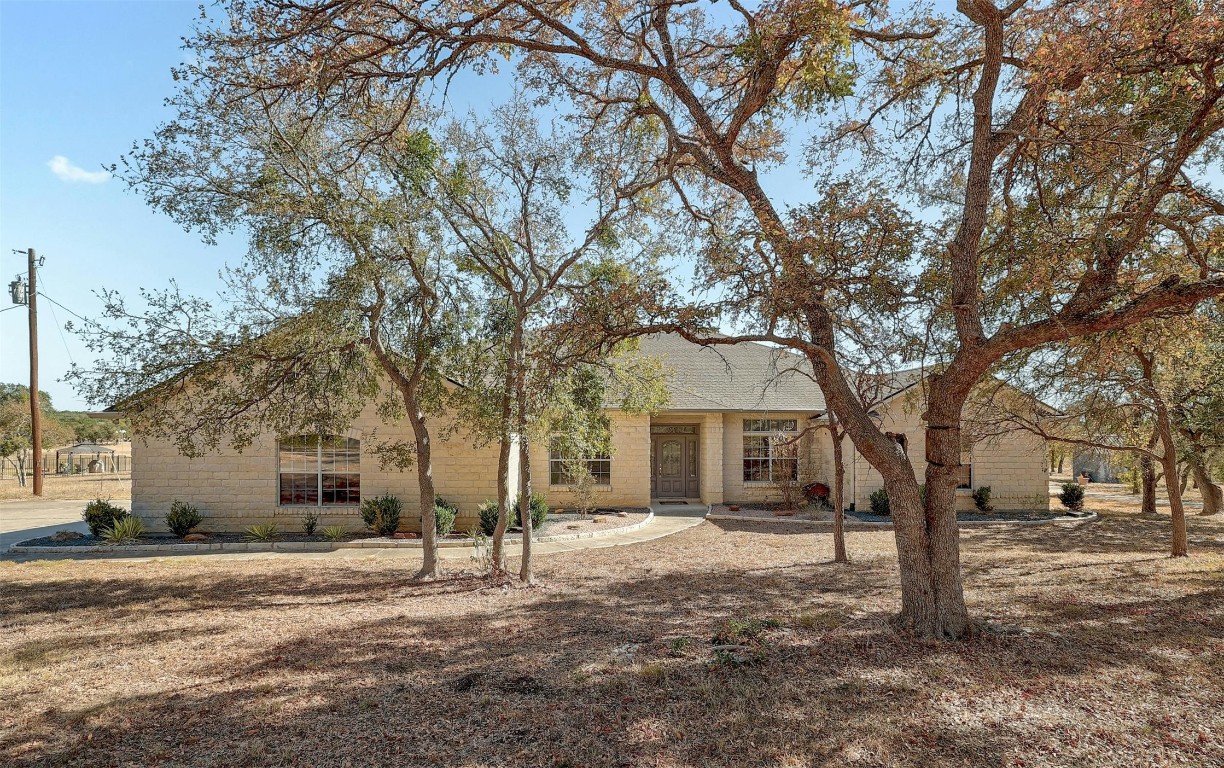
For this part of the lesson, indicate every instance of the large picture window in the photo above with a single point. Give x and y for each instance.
(319, 471)
(771, 450)
(560, 460)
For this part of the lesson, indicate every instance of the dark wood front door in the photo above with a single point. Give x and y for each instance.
(674, 466)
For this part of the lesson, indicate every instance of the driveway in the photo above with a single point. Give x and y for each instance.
(20, 520)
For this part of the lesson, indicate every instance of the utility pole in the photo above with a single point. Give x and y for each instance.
(31, 301)
(35, 404)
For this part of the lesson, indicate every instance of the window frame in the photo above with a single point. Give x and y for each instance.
(765, 432)
(341, 445)
(966, 460)
(559, 478)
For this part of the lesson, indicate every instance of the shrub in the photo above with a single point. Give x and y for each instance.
(879, 503)
(333, 532)
(100, 514)
(981, 499)
(182, 517)
(382, 514)
(444, 519)
(310, 521)
(1072, 496)
(539, 512)
(263, 532)
(488, 517)
(441, 502)
(123, 530)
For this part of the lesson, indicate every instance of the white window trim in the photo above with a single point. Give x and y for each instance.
(771, 482)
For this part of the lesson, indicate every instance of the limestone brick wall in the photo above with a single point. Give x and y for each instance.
(815, 453)
(235, 490)
(630, 486)
(1013, 464)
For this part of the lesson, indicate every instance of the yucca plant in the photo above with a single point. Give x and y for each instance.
(333, 532)
(263, 532)
(123, 531)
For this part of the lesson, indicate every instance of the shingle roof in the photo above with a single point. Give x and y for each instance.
(733, 377)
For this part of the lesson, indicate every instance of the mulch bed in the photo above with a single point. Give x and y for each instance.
(554, 525)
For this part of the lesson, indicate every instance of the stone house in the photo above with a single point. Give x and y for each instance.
(743, 421)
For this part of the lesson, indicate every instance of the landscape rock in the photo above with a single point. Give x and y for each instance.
(67, 536)
(195, 537)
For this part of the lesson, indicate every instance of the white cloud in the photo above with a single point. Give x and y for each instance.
(63, 168)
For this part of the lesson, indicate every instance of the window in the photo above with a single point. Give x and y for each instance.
(560, 460)
(771, 450)
(319, 471)
(964, 478)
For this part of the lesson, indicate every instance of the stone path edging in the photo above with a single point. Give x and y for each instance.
(309, 546)
(867, 525)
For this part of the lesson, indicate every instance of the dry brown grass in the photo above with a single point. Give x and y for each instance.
(85, 486)
(1100, 650)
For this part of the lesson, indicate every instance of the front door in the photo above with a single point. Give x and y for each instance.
(673, 470)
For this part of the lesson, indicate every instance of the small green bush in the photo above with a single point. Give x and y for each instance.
(879, 503)
(333, 532)
(100, 514)
(539, 512)
(441, 502)
(1072, 496)
(263, 532)
(182, 517)
(123, 530)
(310, 521)
(981, 499)
(488, 517)
(444, 519)
(382, 514)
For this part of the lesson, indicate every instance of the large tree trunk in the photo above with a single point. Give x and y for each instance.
(1147, 468)
(525, 568)
(430, 568)
(514, 362)
(1180, 538)
(932, 604)
(520, 396)
(1168, 455)
(943, 457)
(503, 493)
(1213, 496)
(839, 480)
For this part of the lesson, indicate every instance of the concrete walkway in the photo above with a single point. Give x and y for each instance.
(670, 520)
(21, 520)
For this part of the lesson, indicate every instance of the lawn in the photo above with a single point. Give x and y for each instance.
(1099, 650)
(83, 486)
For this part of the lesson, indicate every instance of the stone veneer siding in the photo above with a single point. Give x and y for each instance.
(235, 490)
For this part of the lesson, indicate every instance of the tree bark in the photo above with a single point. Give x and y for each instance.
(1213, 495)
(943, 456)
(839, 478)
(1168, 454)
(1147, 468)
(520, 392)
(514, 362)
(430, 564)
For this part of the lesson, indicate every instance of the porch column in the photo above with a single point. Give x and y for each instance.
(711, 471)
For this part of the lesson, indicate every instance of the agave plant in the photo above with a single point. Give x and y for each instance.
(263, 532)
(123, 531)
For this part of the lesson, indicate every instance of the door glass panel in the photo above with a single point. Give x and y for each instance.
(670, 458)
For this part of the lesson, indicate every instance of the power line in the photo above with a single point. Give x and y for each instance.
(61, 306)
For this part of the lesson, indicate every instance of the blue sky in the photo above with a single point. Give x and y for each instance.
(82, 81)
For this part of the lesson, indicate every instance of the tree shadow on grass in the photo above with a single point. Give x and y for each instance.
(618, 672)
